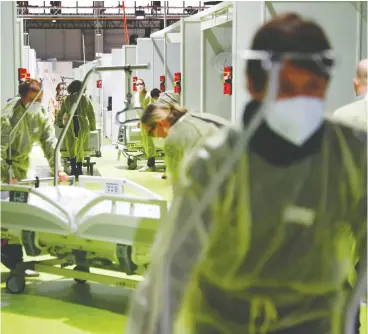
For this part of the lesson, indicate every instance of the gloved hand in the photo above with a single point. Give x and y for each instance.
(139, 125)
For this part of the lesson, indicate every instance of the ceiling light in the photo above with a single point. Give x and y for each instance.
(98, 33)
(53, 21)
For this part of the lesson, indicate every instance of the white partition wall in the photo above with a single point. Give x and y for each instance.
(247, 18)
(216, 47)
(173, 60)
(19, 42)
(344, 38)
(77, 73)
(32, 69)
(144, 55)
(10, 52)
(158, 67)
(25, 57)
(190, 57)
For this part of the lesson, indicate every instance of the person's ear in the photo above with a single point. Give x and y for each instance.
(356, 85)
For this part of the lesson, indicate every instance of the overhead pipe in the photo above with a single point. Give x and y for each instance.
(98, 69)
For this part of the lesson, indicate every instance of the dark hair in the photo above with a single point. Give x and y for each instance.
(155, 93)
(59, 86)
(287, 33)
(25, 87)
(74, 87)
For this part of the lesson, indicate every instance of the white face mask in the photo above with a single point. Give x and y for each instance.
(296, 119)
(36, 106)
(159, 142)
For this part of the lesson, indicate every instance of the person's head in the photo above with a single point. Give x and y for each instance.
(141, 86)
(155, 94)
(290, 33)
(157, 119)
(74, 87)
(28, 90)
(360, 80)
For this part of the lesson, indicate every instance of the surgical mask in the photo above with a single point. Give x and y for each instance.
(140, 88)
(36, 106)
(295, 119)
(159, 142)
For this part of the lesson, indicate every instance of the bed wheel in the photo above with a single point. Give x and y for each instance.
(132, 163)
(81, 268)
(15, 284)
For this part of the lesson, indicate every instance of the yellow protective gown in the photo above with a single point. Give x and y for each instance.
(86, 118)
(272, 251)
(187, 133)
(35, 127)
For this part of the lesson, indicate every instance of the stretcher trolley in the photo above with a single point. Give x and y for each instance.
(92, 149)
(82, 231)
(129, 143)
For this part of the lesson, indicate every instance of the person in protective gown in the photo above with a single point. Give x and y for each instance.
(271, 252)
(179, 130)
(83, 122)
(55, 102)
(35, 127)
(143, 100)
(355, 113)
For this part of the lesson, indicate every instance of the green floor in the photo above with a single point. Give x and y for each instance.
(53, 305)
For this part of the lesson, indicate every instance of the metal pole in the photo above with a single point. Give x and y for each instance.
(75, 105)
(84, 48)
(12, 131)
(165, 8)
(165, 57)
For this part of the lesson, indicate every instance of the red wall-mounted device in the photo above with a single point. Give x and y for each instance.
(162, 83)
(228, 80)
(135, 84)
(22, 74)
(177, 82)
(99, 83)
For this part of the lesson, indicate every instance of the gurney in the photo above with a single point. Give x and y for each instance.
(92, 149)
(82, 228)
(129, 143)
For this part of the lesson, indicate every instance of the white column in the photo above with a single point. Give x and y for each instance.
(10, 51)
(247, 18)
(99, 42)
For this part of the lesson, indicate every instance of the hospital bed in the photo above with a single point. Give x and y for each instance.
(84, 229)
(92, 149)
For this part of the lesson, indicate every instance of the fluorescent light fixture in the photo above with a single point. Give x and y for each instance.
(53, 21)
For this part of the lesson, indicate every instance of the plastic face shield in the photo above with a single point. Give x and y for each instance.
(272, 64)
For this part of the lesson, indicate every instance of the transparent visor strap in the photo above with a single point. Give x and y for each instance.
(237, 152)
